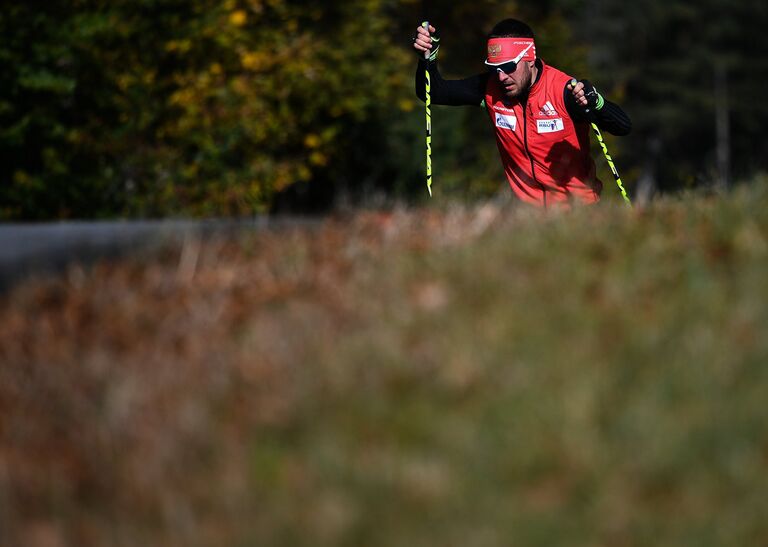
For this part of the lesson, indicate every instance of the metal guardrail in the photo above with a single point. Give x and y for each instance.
(30, 249)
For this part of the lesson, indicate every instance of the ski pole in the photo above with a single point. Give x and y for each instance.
(428, 102)
(611, 164)
(608, 157)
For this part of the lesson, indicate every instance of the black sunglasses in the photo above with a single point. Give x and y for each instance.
(507, 68)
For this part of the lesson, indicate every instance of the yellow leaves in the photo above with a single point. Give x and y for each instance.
(318, 158)
(240, 85)
(283, 178)
(183, 97)
(304, 174)
(238, 18)
(21, 178)
(263, 82)
(255, 60)
(406, 105)
(330, 133)
(178, 46)
(124, 81)
(190, 171)
(75, 136)
(312, 140)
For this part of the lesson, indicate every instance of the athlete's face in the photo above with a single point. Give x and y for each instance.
(518, 82)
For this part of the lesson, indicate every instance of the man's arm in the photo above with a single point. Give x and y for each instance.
(469, 91)
(585, 104)
(466, 92)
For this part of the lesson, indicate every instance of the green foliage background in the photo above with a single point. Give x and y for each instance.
(150, 108)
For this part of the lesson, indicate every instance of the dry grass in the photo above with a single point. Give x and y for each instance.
(466, 376)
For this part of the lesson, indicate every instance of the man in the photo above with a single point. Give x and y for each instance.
(541, 119)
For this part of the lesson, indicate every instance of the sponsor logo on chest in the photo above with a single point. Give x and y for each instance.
(548, 110)
(550, 126)
(506, 121)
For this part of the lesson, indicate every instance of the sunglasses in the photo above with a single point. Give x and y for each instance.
(510, 66)
(507, 68)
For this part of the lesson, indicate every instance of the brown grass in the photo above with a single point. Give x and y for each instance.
(464, 376)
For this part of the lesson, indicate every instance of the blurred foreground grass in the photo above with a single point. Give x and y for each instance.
(477, 376)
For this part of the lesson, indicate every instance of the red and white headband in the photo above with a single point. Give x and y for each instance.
(504, 50)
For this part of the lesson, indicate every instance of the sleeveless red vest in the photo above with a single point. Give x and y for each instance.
(545, 154)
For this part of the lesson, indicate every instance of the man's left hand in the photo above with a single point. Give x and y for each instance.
(585, 94)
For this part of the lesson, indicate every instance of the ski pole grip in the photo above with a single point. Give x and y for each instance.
(425, 25)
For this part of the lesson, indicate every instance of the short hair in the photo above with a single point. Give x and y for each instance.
(511, 28)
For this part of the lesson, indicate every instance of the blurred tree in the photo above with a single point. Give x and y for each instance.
(158, 107)
(38, 149)
(664, 57)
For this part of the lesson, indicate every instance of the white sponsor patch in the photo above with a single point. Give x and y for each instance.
(550, 126)
(506, 122)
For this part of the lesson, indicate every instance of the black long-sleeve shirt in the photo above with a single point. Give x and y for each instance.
(471, 92)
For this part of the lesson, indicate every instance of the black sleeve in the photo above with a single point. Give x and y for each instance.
(610, 118)
(469, 91)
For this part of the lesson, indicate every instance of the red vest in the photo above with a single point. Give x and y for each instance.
(545, 154)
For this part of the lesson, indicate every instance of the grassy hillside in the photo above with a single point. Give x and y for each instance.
(465, 376)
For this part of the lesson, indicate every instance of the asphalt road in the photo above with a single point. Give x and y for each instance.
(30, 249)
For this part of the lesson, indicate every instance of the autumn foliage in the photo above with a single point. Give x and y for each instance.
(148, 108)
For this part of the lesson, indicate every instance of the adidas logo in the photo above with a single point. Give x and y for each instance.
(548, 110)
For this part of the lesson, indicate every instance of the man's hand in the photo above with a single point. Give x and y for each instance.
(586, 95)
(426, 40)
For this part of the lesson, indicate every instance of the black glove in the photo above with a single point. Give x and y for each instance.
(595, 101)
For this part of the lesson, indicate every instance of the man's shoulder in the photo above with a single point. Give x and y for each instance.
(555, 75)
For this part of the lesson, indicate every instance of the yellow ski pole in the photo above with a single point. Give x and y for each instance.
(611, 164)
(608, 157)
(428, 102)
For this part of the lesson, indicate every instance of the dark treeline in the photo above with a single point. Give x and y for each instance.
(151, 108)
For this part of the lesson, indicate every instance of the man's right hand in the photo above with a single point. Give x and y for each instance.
(426, 40)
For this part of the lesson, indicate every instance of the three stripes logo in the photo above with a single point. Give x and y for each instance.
(548, 110)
